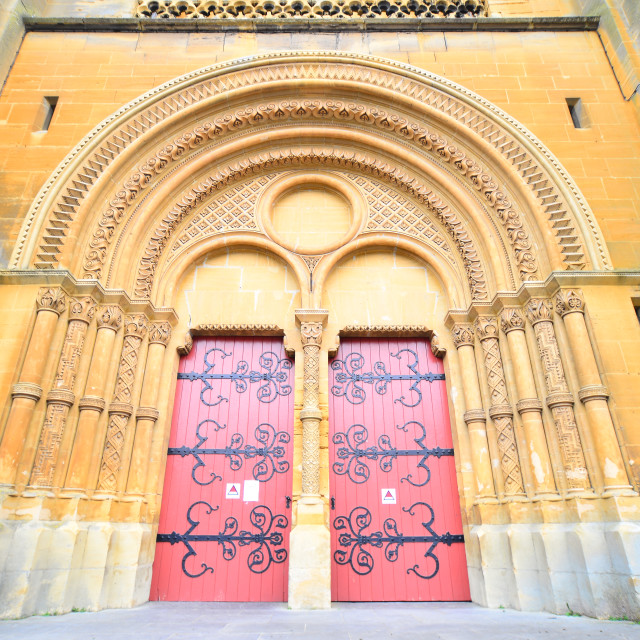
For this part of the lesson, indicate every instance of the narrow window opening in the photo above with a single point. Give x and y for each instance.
(45, 114)
(577, 112)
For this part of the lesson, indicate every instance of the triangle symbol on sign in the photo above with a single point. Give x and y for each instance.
(388, 494)
(233, 489)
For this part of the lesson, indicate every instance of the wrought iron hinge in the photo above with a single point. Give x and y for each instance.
(333, 503)
(288, 499)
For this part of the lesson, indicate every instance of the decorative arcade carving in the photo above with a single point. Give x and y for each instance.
(500, 411)
(121, 408)
(61, 397)
(559, 399)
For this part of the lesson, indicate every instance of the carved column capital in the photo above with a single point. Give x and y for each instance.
(539, 310)
(135, 325)
(311, 333)
(51, 299)
(109, 317)
(463, 335)
(569, 301)
(486, 327)
(512, 319)
(82, 309)
(159, 333)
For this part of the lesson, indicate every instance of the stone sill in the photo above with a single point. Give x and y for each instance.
(276, 25)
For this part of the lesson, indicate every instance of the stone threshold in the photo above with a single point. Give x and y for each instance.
(289, 25)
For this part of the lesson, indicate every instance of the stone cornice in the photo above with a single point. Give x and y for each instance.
(78, 288)
(267, 25)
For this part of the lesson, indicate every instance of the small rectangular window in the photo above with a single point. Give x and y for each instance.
(45, 113)
(577, 112)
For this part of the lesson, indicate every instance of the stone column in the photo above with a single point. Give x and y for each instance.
(310, 545)
(570, 305)
(500, 411)
(474, 416)
(61, 397)
(147, 414)
(120, 409)
(25, 394)
(559, 399)
(109, 320)
(529, 406)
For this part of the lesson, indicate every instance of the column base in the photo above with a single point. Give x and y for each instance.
(310, 557)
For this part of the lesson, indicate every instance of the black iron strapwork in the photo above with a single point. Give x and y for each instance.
(269, 451)
(354, 453)
(260, 558)
(349, 378)
(274, 377)
(355, 540)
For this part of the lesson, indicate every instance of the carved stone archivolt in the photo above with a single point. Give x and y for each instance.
(560, 400)
(529, 158)
(120, 409)
(305, 157)
(344, 113)
(309, 9)
(500, 410)
(61, 397)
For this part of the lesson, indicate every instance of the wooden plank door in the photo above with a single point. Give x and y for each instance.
(225, 519)
(395, 520)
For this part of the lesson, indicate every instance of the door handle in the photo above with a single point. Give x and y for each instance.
(288, 499)
(333, 503)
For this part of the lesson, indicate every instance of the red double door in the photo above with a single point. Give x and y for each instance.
(396, 527)
(224, 524)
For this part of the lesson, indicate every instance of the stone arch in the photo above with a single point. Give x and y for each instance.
(554, 205)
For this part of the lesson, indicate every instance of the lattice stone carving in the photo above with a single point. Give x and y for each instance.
(308, 9)
(389, 210)
(232, 210)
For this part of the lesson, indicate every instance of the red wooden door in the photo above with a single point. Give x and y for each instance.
(224, 524)
(395, 521)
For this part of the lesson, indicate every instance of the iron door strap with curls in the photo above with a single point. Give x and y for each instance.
(396, 526)
(225, 519)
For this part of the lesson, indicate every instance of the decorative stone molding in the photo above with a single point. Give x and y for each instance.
(147, 413)
(120, 408)
(185, 349)
(512, 319)
(309, 9)
(255, 330)
(559, 399)
(51, 299)
(529, 404)
(159, 333)
(474, 415)
(26, 390)
(463, 335)
(500, 411)
(593, 392)
(109, 317)
(108, 140)
(92, 402)
(311, 262)
(569, 301)
(386, 331)
(299, 156)
(61, 397)
(436, 349)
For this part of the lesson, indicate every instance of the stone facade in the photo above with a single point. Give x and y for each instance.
(460, 201)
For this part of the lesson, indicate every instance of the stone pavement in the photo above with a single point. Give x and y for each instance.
(345, 621)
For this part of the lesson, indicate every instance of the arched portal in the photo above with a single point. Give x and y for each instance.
(217, 169)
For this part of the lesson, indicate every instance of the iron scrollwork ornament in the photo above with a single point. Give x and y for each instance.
(273, 377)
(267, 533)
(353, 537)
(349, 378)
(352, 453)
(269, 452)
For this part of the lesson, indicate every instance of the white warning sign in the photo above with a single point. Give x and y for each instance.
(233, 490)
(388, 496)
(251, 491)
